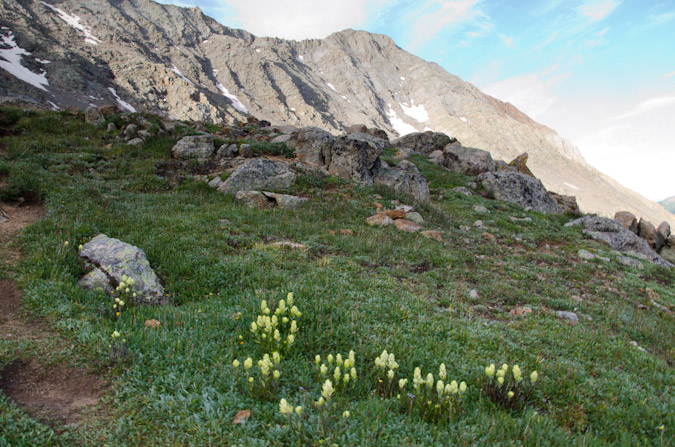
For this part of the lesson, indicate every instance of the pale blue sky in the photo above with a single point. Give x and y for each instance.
(600, 72)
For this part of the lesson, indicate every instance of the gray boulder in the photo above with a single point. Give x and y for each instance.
(228, 151)
(648, 232)
(424, 142)
(375, 142)
(130, 131)
(467, 160)
(194, 147)
(617, 237)
(404, 179)
(353, 159)
(246, 151)
(436, 157)
(627, 220)
(664, 230)
(258, 174)
(312, 146)
(283, 138)
(519, 188)
(113, 259)
(266, 199)
(94, 116)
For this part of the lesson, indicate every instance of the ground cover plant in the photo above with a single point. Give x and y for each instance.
(607, 380)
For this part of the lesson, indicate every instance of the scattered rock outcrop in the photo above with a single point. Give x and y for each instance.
(194, 147)
(627, 220)
(520, 189)
(424, 142)
(94, 116)
(648, 232)
(110, 259)
(618, 237)
(266, 199)
(404, 179)
(467, 160)
(258, 174)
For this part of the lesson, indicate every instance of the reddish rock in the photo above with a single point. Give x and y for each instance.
(647, 231)
(379, 219)
(520, 311)
(520, 163)
(347, 232)
(407, 226)
(395, 214)
(627, 220)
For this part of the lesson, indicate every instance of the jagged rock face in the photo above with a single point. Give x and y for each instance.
(467, 160)
(519, 188)
(143, 56)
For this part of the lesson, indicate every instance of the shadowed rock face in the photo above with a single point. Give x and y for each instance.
(519, 188)
(144, 56)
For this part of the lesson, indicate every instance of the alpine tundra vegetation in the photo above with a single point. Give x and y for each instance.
(451, 318)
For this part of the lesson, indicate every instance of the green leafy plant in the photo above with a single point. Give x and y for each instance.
(508, 390)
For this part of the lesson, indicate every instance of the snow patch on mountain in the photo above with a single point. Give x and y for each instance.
(417, 112)
(12, 62)
(74, 21)
(400, 126)
(235, 101)
(125, 105)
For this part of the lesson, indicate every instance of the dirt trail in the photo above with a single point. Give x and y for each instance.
(54, 393)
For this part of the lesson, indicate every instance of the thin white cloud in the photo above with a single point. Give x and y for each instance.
(635, 147)
(598, 10)
(531, 93)
(669, 75)
(508, 41)
(440, 15)
(300, 19)
(661, 19)
(647, 106)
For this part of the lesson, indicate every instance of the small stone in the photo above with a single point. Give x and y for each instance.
(585, 254)
(379, 219)
(569, 316)
(462, 190)
(406, 225)
(378, 206)
(415, 217)
(241, 417)
(215, 181)
(577, 299)
(395, 214)
(111, 127)
(137, 142)
(346, 232)
(473, 294)
(406, 208)
(630, 262)
(489, 237)
(464, 228)
(480, 209)
(520, 311)
(634, 344)
(152, 324)
(478, 224)
(520, 219)
(433, 234)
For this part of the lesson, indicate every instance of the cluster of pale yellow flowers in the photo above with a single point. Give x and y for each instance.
(501, 389)
(268, 366)
(286, 408)
(277, 329)
(343, 369)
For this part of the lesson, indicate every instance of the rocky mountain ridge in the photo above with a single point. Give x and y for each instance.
(669, 204)
(176, 61)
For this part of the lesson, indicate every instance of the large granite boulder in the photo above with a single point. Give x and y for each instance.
(519, 188)
(664, 230)
(258, 174)
(312, 145)
(424, 142)
(627, 220)
(375, 142)
(648, 232)
(353, 159)
(617, 237)
(362, 128)
(404, 179)
(93, 115)
(194, 147)
(520, 164)
(467, 160)
(567, 204)
(111, 260)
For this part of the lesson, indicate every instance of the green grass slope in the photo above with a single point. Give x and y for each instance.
(376, 289)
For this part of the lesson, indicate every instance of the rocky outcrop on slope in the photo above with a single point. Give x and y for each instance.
(140, 55)
(518, 188)
(618, 237)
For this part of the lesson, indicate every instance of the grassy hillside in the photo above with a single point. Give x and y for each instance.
(374, 290)
(669, 204)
